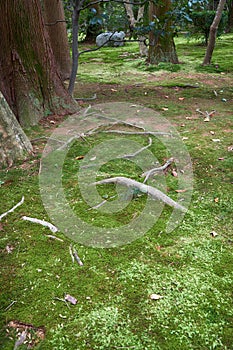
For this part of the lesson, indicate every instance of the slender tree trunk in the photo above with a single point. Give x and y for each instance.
(161, 42)
(56, 26)
(213, 33)
(29, 79)
(133, 22)
(14, 144)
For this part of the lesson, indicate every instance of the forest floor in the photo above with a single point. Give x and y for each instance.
(163, 290)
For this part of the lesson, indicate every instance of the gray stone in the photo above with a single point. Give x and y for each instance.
(110, 39)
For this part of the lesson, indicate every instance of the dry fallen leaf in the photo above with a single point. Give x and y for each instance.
(164, 108)
(216, 200)
(181, 98)
(180, 191)
(155, 296)
(113, 90)
(213, 234)
(71, 299)
(79, 157)
(230, 148)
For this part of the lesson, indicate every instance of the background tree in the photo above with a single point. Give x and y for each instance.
(134, 21)
(29, 79)
(213, 33)
(161, 36)
(56, 26)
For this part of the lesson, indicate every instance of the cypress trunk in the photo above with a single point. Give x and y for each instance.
(29, 78)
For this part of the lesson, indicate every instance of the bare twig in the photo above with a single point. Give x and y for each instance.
(153, 192)
(206, 114)
(52, 228)
(77, 258)
(57, 21)
(102, 203)
(153, 133)
(64, 301)
(151, 172)
(54, 237)
(11, 304)
(12, 209)
(137, 152)
(71, 253)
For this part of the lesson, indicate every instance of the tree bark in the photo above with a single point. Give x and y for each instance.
(213, 33)
(56, 27)
(143, 50)
(29, 79)
(161, 41)
(14, 144)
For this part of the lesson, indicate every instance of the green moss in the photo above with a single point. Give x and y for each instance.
(191, 269)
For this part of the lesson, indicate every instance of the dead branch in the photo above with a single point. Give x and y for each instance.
(77, 258)
(54, 237)
(137, 152)
(153, 133)
(12, 209)
(52, 228)
(206, 114)
(74, 255)
(11, 304)
(71, 253)
(151, 172)
(151, 191)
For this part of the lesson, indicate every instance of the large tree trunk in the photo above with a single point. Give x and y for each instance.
(161, 41)
(213, 33)
(56, 26)
(14, 144)
(133, 22)
(29, 78)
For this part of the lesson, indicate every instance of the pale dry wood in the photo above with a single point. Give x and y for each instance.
(151, 191)
(52, 228)
(151, 172)
(12, 209)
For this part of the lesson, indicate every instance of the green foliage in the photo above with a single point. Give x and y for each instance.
(202, 21)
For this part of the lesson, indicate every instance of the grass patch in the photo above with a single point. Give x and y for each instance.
(189, 267)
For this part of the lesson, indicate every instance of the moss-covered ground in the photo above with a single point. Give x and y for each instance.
(190, 268)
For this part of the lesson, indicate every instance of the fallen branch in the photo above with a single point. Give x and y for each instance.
(54, 237)
(77, 258)
(11, 304)
(206, 114)
(52, 228)
(12, 209)
(153, 133)
(74, 255)
(151, 172)
(139, 151)
(153, 192)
